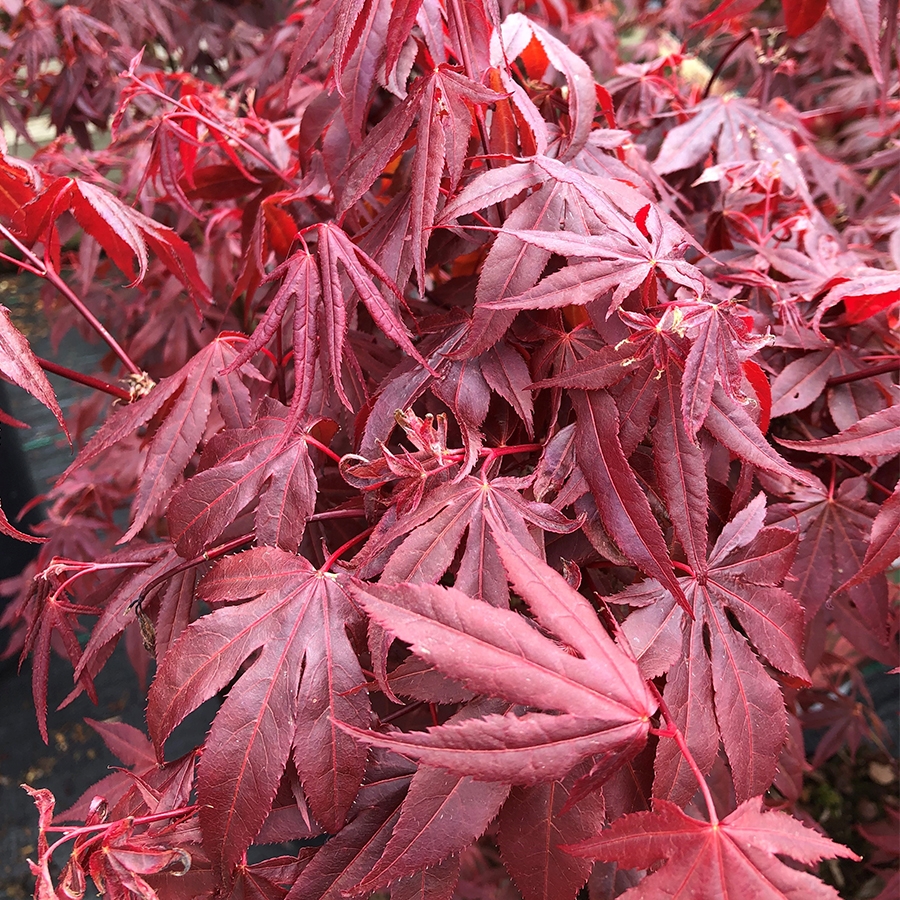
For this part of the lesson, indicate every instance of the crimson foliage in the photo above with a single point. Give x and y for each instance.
(584, 349)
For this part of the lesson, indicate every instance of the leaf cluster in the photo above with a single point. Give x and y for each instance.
(507, 437)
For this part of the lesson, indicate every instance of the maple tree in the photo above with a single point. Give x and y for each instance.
(502, 424)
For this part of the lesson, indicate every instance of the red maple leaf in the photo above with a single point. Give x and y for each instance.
(20, 366)
(716, 686)
(626, 260)
(443, 102)
(263, 462)
(429, 537)
(123, 232)
(289, 623)
(734, 858)
(736, 129)
(184, 401)
(321, 310)
(835, 524)
(598, 702)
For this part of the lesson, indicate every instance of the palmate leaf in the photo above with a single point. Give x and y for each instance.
(635, 368)
(20, 366)
(302, 681)
(721, 345)
(434, 883)
(186, 400)
(444, 812)
(517, 33)
(441, 814)
(350, 855)
(116, 596)
(863, 290)
(731, 860)
(710, 665)
(532, 827)
(143, 785)
(884, 543)
(800, 382)
(801, 15)
(433, 532)
(601, 701)
(737, 130)
(264, 462)
(7, 528)
(443, 102)
(623, 505)
(731, 424)
(861, 19)
(875, 435)
(624, 262)
(124, 233)
(313, 294)
(834, 527)
(567, 200)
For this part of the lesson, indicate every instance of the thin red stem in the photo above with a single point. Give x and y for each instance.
(684, 568)
(44, 269)
(70, 833)
(722, 62)
(22, 265)
(844, 464)
(206, 556)
(326, 566)
(326, 450)
(58, 566)
(399, 713)
(887, 368)
(673, 731)
(53, 277)
(510, 450)
(87, 380)
(338, 514)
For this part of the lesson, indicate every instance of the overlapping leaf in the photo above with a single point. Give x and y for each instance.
(265, 463)
(735, 858)
(322, 308)
(517, 33)
(736, 129)
(284, 634)
(578, 203)
(185, 400)
(442, 813)
(532, 827)
(716, 685)
(653, 428)
(20, 366)
(623, 505)
(443, 102)
(624, 262)
(431, 535)
(835, 526)
(601, 705)
(875, 435)
(124, 233)
(350, 855)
